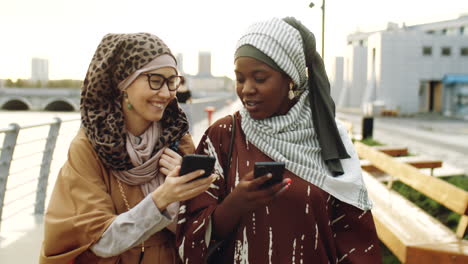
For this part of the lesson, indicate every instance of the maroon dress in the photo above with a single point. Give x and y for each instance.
(303, 225)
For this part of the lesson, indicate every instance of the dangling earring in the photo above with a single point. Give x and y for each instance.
(129, 105)
(291, 94)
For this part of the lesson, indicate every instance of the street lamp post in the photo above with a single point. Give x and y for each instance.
(323, 26)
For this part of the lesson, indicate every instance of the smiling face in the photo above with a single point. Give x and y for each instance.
(262, 90)
(147, 105)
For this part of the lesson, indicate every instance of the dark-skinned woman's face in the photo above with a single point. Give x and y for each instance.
(262, 90)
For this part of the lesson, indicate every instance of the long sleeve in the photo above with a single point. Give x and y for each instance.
(131, 228)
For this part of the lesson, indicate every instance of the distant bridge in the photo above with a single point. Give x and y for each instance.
(40, 99)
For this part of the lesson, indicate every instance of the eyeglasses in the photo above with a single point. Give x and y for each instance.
(156, 81)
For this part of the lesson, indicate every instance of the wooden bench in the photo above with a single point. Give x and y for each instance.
(389, 112)
(410, 233)
(415, 161)
(393, 151)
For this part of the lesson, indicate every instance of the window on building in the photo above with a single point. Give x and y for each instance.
(430, 32)
(446, 51)
(427, 51)
(461, 99)
(444, 31)
(462, 30)
(464, 51)
(452, 31)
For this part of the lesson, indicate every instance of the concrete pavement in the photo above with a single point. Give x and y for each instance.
(429, 135)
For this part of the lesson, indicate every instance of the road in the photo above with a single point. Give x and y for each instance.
(429, 135)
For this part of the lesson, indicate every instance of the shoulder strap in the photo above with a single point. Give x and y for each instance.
(216, 246)
(231, 144)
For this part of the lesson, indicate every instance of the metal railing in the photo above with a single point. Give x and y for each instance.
(32, 149)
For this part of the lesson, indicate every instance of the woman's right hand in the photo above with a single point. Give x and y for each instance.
(248, 195)
(180, 188)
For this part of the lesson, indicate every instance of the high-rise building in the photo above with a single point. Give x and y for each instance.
(39, 69)
(204, 64)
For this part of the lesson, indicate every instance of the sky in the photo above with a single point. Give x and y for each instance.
(67, 32)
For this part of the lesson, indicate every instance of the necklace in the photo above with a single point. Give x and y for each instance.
(142, 253)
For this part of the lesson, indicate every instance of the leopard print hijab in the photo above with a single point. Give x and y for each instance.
(117, 57)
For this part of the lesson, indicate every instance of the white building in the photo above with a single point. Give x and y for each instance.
(204, 64)
(39, 70)
(336, 77)
(402, 68)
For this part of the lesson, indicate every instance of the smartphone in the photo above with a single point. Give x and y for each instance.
(193, 162)
(273, 167)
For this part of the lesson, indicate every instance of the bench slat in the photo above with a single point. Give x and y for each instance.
(403, 227)
(445, 193)
(451, 253)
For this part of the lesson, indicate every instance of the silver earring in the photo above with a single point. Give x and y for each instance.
(291, 94)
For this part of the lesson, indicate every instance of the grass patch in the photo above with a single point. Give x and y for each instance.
(460, 181)
(440, 212)
(371, 142)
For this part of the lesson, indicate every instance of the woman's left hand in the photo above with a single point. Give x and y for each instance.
(168, 161)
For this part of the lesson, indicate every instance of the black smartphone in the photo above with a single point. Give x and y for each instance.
(193, 162)
(273, 167)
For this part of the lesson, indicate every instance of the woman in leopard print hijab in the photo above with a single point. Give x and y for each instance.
(117, 197)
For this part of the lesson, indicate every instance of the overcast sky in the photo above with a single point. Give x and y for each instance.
(67, 32)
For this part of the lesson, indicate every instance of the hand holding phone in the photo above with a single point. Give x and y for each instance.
(193, 162)
(273, 167)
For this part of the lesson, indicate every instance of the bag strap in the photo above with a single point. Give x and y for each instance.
(216, 245)
(231, 144)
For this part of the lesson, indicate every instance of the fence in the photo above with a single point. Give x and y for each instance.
(20, 156)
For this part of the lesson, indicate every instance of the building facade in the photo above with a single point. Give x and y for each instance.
(455, 99)
(402, 68)
(204, 64)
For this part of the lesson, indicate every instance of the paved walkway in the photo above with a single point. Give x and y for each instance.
(21, 236)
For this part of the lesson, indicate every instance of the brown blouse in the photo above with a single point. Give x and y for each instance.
(303, 225)
(85, 201)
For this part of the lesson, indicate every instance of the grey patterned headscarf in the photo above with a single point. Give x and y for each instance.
(292, 48)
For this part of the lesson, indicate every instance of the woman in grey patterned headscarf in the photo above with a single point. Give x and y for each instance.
(116, 198)
(320, 212)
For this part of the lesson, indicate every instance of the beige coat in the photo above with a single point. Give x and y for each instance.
(85, 201)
